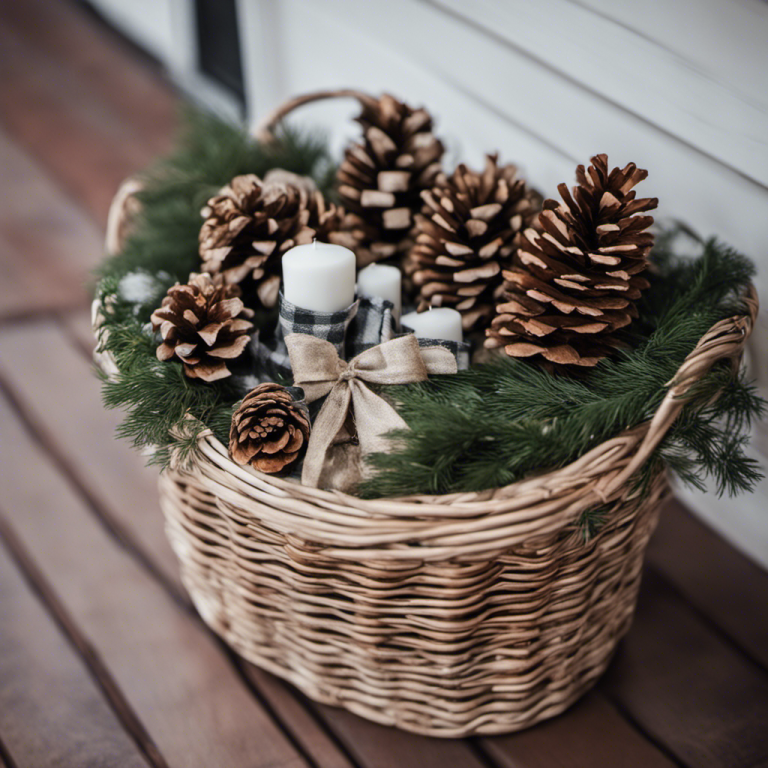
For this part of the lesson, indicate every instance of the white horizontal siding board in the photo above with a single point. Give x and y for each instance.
(685, 97)
(319, 52)
(148, 22)
(480, 69)
(727, 41)
(258, 23)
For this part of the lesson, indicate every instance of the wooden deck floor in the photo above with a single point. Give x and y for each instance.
(103, 661)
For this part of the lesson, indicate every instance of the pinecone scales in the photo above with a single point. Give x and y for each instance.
(203, 324)
(248, 226)
(574, 284)
(269, 430)
(381, 178)
(466, 234)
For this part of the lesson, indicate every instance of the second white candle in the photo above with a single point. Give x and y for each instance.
(383, 281)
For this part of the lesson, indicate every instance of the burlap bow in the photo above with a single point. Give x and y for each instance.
(319, 370)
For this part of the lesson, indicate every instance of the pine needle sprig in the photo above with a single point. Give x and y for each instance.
(165, 410)
(495, 424)
(210, 153)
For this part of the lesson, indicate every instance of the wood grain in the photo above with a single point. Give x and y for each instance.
(51, 103)
(78, 325)
(99, 62)
(295, 712)
(51, 711)
(377, 746)
(726, 587)
(81, 435)
(47, 244)
(590, 735)
(170, 669)
(687, 687)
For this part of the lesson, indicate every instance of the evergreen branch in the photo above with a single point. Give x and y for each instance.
(495, 424)
(486, 427)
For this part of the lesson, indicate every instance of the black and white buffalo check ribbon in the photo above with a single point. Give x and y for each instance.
(362, 325)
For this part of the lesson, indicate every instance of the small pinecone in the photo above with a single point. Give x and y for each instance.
(575, 283)
(381, 178)
(248, 226)
(466, 234)
(269, 430)
(203, 324)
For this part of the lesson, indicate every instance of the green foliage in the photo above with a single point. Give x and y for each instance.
(157, 397)
(482, 428)
(495, 424)
(210, 153)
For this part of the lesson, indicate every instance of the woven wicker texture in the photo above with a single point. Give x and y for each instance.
(445, 615)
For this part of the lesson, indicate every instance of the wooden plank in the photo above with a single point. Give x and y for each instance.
(378, 746)
(76, 134)
(81, 434)
(51, 711)
(640, 74)
(722, 584)
(686, 687)
(101, 62)
(78, 325)
(366, 740)
(294, 712)
(48, 246)
(169, 668)
(592, 734)
(741, 520)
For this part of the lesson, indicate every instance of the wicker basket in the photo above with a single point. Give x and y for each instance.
(476, 613)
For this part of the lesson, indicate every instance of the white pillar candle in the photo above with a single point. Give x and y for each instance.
(437, 323)
(383, 281)
(319, 277)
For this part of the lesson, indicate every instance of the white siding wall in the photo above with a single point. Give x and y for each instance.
(677, 86)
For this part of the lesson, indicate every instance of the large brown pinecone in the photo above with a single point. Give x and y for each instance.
(466, 234)
(575, 283)
(203, 324)
(248, 226)
(380, 179)
(269, 430)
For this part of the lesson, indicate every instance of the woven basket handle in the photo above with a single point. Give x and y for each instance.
(725, 339)
(123, 208)
(264, 131)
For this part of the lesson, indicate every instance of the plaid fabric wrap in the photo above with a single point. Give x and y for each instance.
(360, 326)
(459, 349)
(371, 325)
(272, 354)
(331, 326)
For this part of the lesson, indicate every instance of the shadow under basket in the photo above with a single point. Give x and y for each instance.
(475, 613)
